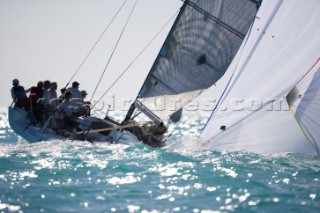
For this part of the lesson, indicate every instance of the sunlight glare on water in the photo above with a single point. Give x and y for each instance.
(73, 176)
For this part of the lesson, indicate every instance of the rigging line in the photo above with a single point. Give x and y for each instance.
(239, 121)
(216, 20)
(304, 132)
(137, 114)
(313, 66)
(249, 56)
(231, 78)
(252, 108)
(94, 46)
(136, 58)
(311, 142)
(112, 128)
(114, 49)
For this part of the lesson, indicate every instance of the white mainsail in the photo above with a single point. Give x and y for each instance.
(198, 50)
(282, 47)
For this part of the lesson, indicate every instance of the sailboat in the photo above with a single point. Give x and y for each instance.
(268, 105)
(271, 102)
(199, 48)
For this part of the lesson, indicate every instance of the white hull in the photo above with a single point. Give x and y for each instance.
(21, 125)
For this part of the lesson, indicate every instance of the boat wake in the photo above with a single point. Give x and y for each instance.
(186, 143)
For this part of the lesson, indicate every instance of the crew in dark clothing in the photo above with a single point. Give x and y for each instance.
(21, 100)
(36, 93)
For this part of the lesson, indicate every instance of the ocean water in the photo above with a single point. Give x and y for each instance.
(71, 176)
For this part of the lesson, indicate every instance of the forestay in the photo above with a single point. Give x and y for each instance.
(304, 101)
(253, 114)
(198, 50)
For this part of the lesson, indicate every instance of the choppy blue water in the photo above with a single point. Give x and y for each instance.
(66, 176)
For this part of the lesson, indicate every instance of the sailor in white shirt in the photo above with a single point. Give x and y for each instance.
(66, 106)
(75, 90)
(53, 102)
(68, 112)
(46, 87)
(51, 95)
(76, 102)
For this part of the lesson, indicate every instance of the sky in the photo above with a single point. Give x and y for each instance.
(48, 40)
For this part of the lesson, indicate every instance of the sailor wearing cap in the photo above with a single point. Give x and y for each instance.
(85, 111)
(76, 102)
(21, 100)
(15, 81)
(75, 90)
(17, 91)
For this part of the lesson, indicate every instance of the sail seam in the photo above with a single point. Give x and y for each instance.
(309, 71)
(256, 44)
(161, 82)
(156, 62)
(184, 47)
(222, 24)
(297, 119)
(220, 99)
(234, 124)
(183, 8)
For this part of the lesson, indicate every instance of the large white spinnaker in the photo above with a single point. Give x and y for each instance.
(253, 113)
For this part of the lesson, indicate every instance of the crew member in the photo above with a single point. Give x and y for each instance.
(21, 100)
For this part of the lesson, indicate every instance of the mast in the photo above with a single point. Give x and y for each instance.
(136, 103)
(198, 50)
